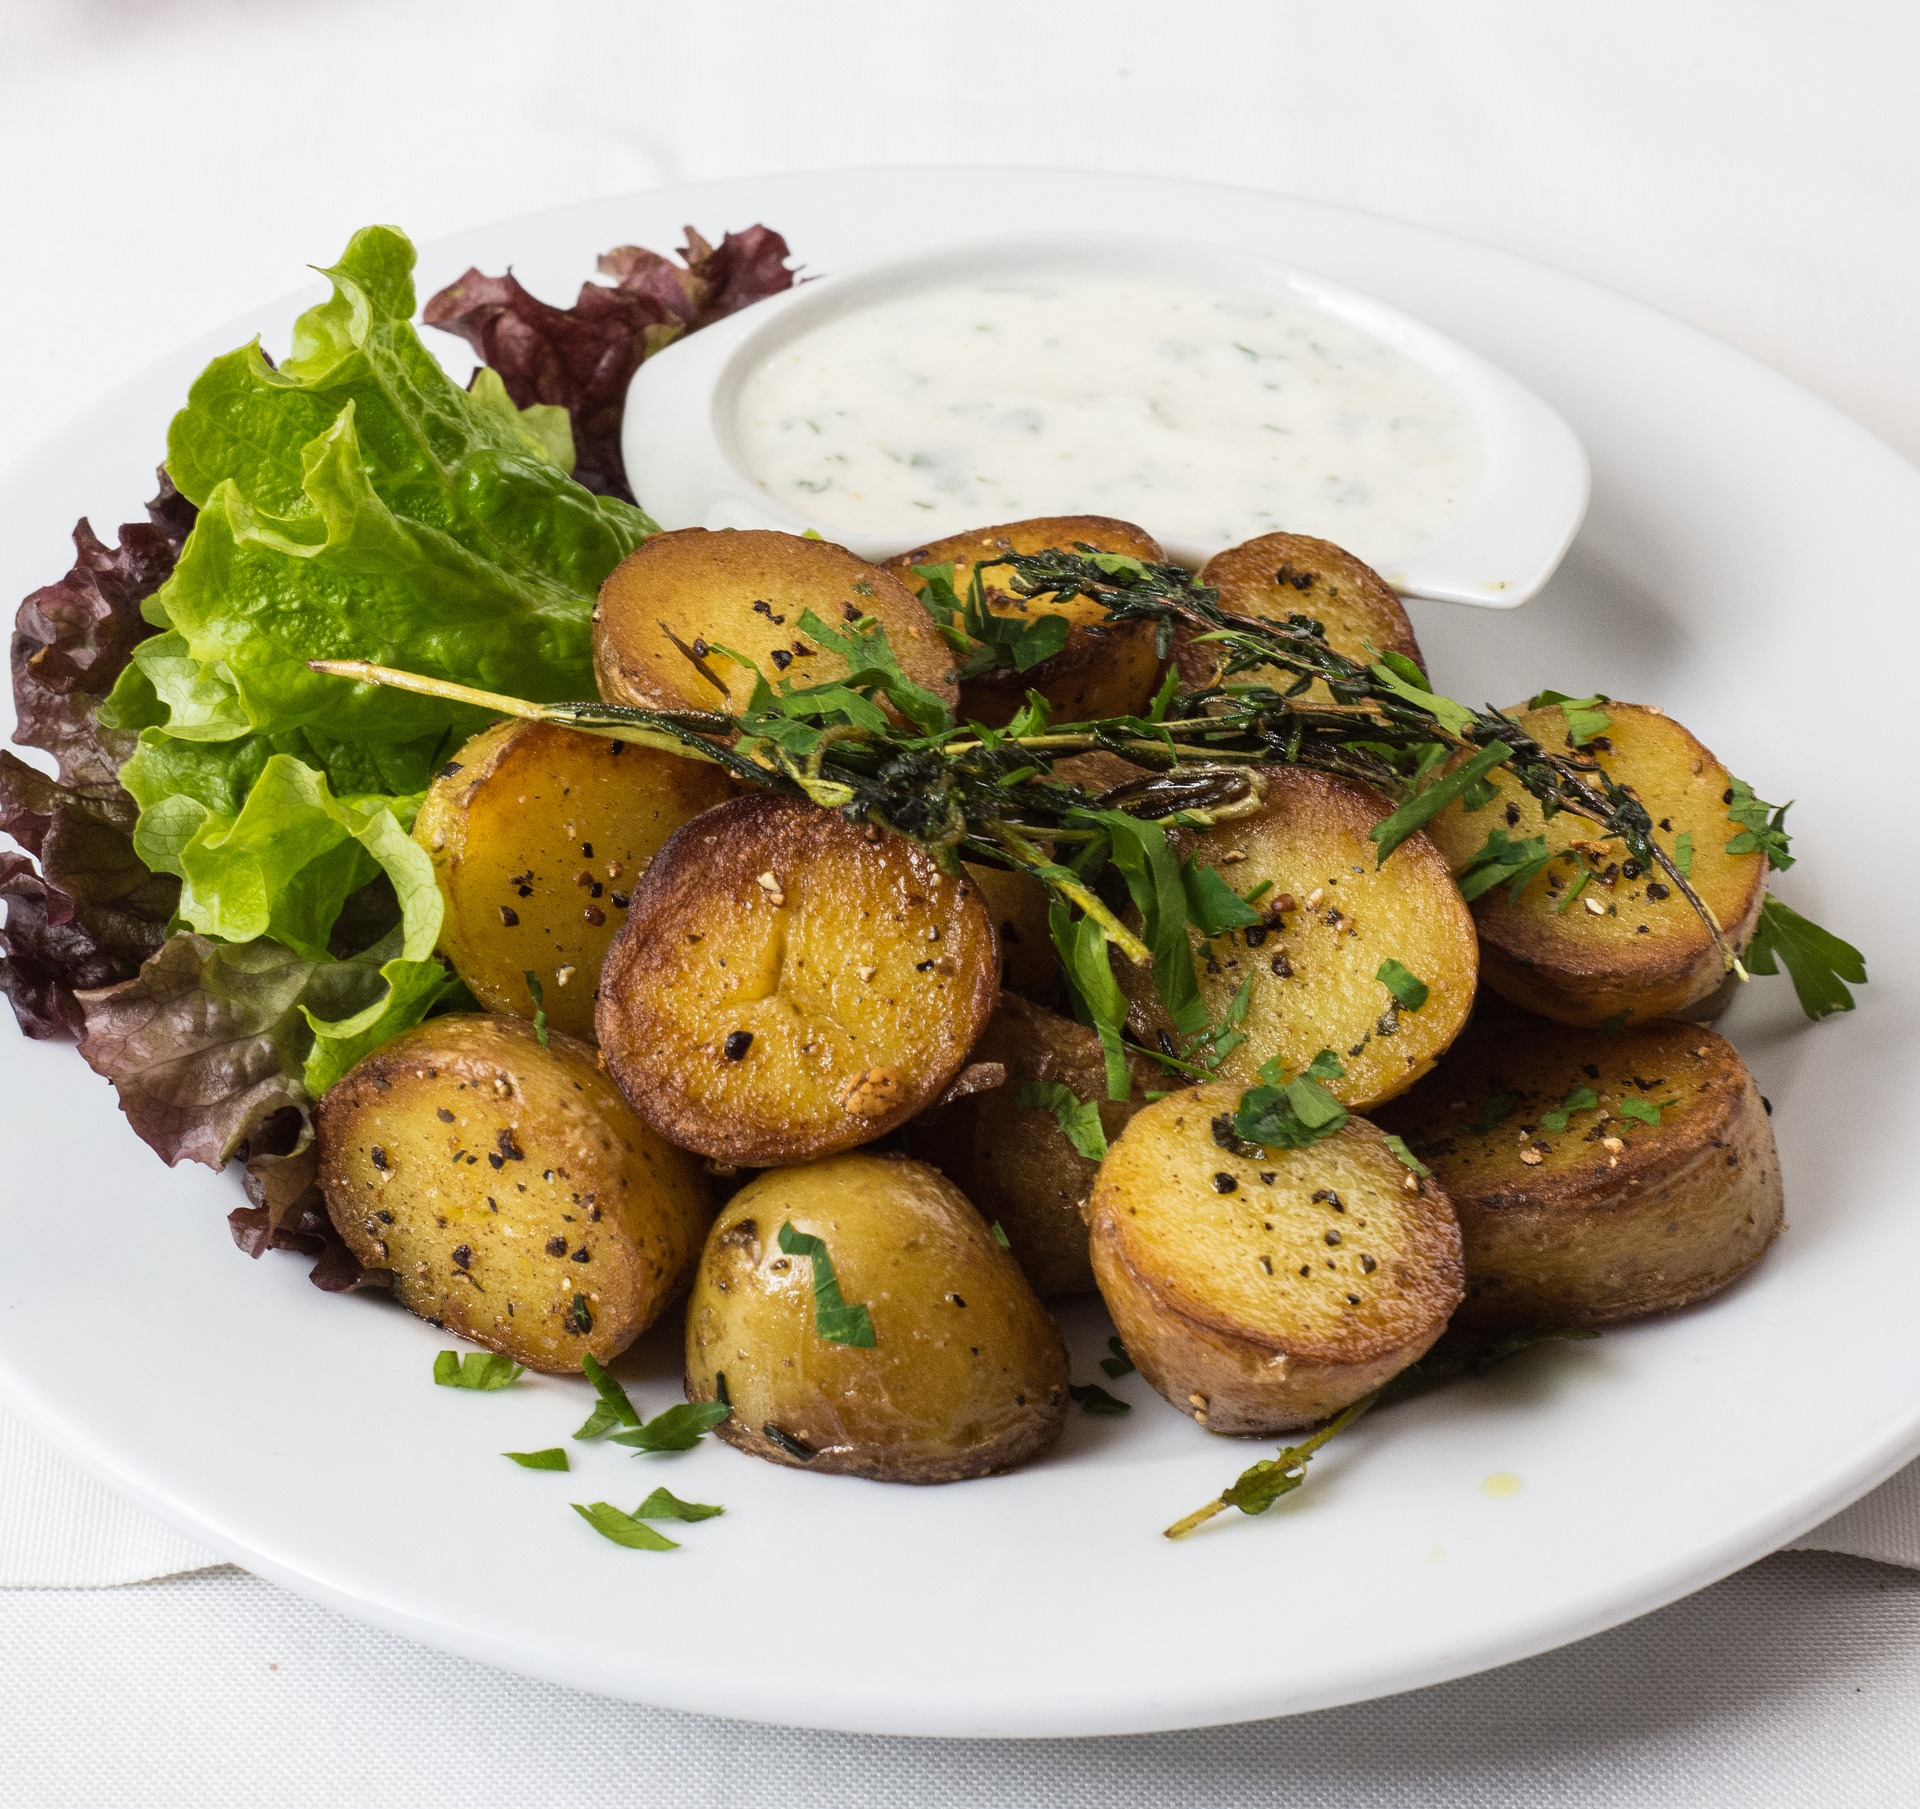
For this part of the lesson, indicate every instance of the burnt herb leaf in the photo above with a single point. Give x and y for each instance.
(623, 1529)
(612, 1409)
(1095, 1400)
(1406, 986)
(1079, 1119)
(679, 1428)
(485, 1370)
(833, 1319)
(1819, 964)
(553, 1458)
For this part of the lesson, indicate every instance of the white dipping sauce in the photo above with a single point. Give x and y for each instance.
(1207, 417)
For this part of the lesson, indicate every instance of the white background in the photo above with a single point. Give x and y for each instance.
(1750, 165)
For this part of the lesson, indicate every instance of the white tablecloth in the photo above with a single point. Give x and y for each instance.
(166, 163)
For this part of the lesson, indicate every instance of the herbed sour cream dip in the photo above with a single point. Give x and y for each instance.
(1207, 417)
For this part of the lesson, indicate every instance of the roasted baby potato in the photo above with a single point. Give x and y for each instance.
(1281, 575)
(1103, 670)
(1010, 1157)
(511, 1191)
(671, 603)
(1593, 938)
(1573, 1210)
(1257, 1289)
(537, 835)
(965, 1374)
(789, 985)
(1333, 922)
(1017, 902)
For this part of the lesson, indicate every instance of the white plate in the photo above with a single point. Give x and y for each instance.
(680, 439)
(1743, 539)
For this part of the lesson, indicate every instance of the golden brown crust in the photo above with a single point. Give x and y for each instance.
(1605, 1217)
(1263, 1291)
(966, 1375)
(846, 973)
(1627, 946)
(510, 1190)
(746, 588)
(1314, 964)
(1013, 1161)
(1281, 575)
(537, 836)
(1104, 669)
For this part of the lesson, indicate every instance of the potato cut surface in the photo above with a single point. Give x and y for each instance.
(1260, 1289)
(966, 1374)
(1012, 1160)
(1596, 1178)
(746, 588)
(1102, 670)
(512, 1192)
(1017, 903)
(1592, 937)
(1282, 575)
(790, 984)
(537, 836)
(1335, 918)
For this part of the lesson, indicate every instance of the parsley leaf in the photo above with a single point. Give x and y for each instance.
(1398, 1145)
(1095, 1399)
(1762, 826)
(1683, 853)
(1586, 721)
(539, 1007)
(1258, 1487)
(1119, 1364)
(1213, 905)
(679, 1428)
(1406, 986)
(663, 1504)
(1295, 1115)
(1404, 679)
(1083, 953)
(1644, 1109)
(1495, 1113)
(1078, 1119)
(985, 640)
(999, 1235)
(1423, 806)
(553, 1458)
(1581, 1099)
(613, 1408)
(833, 1319)
(482, 1369)
(1145, 861)
(1819, 964)
(623, 1529)
(1501, 861)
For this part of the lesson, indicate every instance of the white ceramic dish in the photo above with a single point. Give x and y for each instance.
(297, 1433)
(683, 455)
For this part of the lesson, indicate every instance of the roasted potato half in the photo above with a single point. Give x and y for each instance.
(1103, 670)
(1011, 1158)
(1281, 575)
(1265, 1290)
(1334, 921)
(669, 605)
(1017, 902)
(965, 1374)
(1593, 938)
(789, 985)
(512, 1192)
(537, 835)
(1573, 1210)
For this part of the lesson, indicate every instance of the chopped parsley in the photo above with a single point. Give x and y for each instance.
(1406, 986)
(1762, 826)
(1819, 964)
(663, 1504)
(1501, 861)
(1095, 1399)
(1586, 721)
(1683, 853)
(539, 1007)
(1079, 1119)
(1423, 806)
(999, 1235)
(553, 1458)
(624, 1529)
(481, 1369)
(679, 1428)
(1495, 1113)
(1581, 1099)
(613, 1408)
(985, 641)
(1213, 906)
(1398, 1145)
(833, 1319)
(1119, 1364)
(1293, 1115)
(1644, 1109)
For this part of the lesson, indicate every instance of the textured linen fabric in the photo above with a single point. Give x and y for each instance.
(1754, 169)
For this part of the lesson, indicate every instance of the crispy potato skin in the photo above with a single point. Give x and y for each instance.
(478, 1167)
(1646, 955)
(1017, 903)
(1102, 670)
(1205, 1281)
(1588, 1235)
(1314, 967)
(537, 835)
(703, 584)
(1281, 575)
(1013, 1161)
(858, 972)
(966, 1375)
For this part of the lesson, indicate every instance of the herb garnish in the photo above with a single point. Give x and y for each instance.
(539, 1007)
(1502, 861)
(1761, 826)
(612, 1409)
(1095, 1399)
(1119, 1364)
(679, 1428)
(1586, 721)
(1818, 963)
(1581, 1099)
(833, 1319)
(985, 641)
(481, 1369)
(623, 1529)
(1079, 1119)
(1644, 1109)
(1493, 1114)
(1406, 986)
(1293, 1115)
(1398, 1145)
(663, 1504)
(553, 1458)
